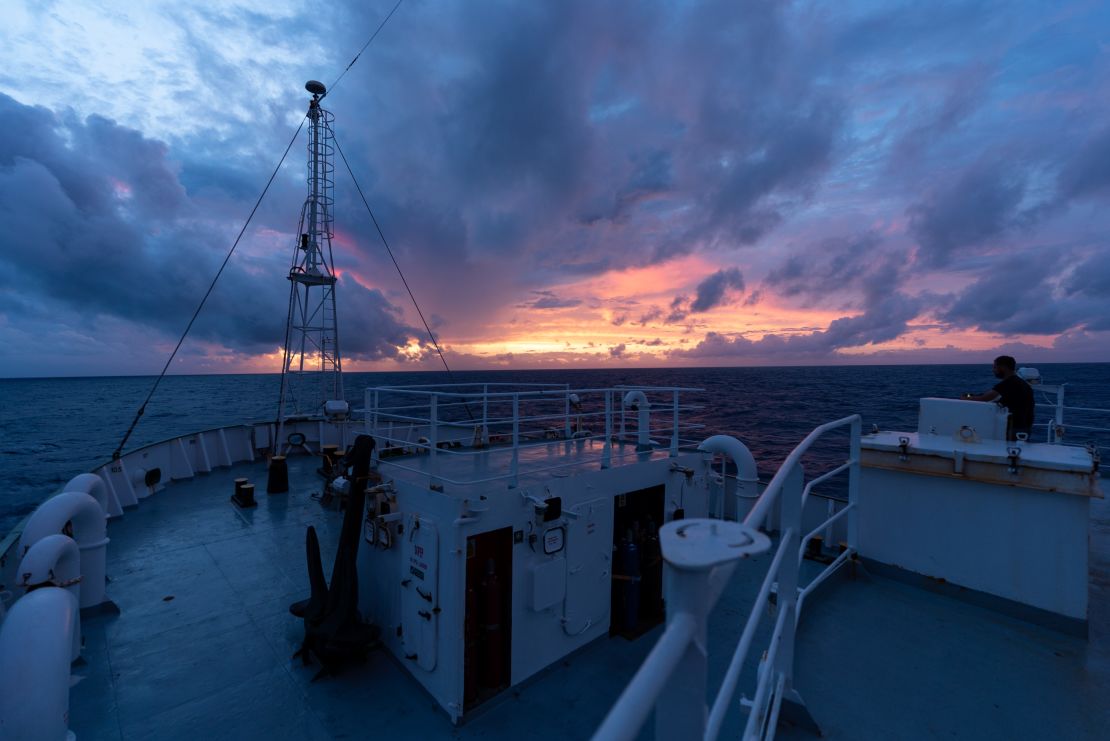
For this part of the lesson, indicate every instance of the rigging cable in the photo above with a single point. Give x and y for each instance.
(385, 242)
(212, 285)
(359, 54)
(157, 381)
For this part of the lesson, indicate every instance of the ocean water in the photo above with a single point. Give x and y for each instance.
(54, 428)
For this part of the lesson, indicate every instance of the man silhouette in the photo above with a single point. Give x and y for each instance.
(1012, 392)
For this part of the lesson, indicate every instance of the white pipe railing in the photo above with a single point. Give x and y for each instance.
(822, 479)
(732, 674)
(686, 715)
(1057, 428)
(425, 419)
(823, 526)
(626, 718)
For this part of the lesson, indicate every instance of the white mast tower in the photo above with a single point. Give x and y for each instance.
(312, 369)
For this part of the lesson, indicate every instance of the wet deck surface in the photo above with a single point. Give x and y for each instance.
(202, 648)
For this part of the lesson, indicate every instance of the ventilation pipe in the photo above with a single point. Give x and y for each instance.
(54, 561)
(747, 479)
(89, 531)
(35, 642)
(94, 486)
(636, 400)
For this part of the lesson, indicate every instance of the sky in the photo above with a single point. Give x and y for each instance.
(566, 184)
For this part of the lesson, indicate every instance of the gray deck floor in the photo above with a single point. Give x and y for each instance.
(202, 648)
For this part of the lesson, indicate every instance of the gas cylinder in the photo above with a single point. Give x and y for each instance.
(630, 569)
(652, 560)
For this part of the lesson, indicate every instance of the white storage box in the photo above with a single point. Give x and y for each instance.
(964, 421)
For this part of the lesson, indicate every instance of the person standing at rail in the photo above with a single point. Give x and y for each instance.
(1012, 392)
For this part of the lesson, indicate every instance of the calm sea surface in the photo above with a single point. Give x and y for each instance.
(52, 429)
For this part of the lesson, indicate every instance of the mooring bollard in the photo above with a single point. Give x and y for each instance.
(278, 480)
(244, 494)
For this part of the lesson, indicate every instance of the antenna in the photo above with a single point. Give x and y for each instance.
(312, 368)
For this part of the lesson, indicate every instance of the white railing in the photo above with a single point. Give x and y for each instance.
(676, 668)
(1057, 429)
(500, 421)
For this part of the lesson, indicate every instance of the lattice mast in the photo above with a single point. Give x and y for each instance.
(312, 368)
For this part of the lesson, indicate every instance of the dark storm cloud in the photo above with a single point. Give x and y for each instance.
(884, 321)
(651, 177)
(980, 205)
(964, 94)
(97, 220)
(1029, 294)
(862, 264)
(713, 290)
(1091, 277)
(679, 309)
(561, 131)
(1087, 173)
(507, 148)
(548, 300)
(516, 120)
(785, 159)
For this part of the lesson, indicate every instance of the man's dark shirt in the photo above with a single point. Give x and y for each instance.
(1017, 396)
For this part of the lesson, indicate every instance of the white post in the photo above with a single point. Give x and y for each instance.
(791, 498)
(485, 414)
(372, 420)
(374, 414)
(674, 432)
(622, 420)
(515, 469)
(433, 438)
(566, 413)
(853, 484)
(607, 448)
(692, 551)
(1059, 413)
(684, 711)
(792, 707)
(830, 510)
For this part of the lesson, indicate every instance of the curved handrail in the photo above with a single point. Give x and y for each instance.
(763, 505)
(656, 675)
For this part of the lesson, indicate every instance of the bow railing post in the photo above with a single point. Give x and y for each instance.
(687, 593)
(515, 466)
(673, 678)
(853, 485)
(607, 447)
(433, 440)
(566, 414)
(674, 425)
(792, 704)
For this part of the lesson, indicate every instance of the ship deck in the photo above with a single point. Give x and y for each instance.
(203, 645)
